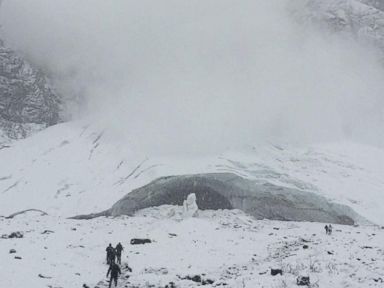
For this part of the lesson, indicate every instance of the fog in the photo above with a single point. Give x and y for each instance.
(187, 76)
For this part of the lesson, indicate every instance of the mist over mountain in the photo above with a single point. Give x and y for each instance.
(225, 137)
(197, 77)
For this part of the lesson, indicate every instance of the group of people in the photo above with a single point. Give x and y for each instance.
(113, 253)
(114, 269)
(328, 229)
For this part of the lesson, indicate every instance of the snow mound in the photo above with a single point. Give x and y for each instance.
(229, 191)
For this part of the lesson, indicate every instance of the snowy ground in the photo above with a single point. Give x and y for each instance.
(228, 247)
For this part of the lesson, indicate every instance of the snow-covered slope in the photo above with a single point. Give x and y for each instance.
(72, 169)
(227, 247)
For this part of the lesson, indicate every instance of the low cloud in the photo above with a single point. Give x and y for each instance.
(202, 76)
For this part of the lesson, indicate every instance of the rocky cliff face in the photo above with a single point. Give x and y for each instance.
(361, 19)
(378, 4)
(27, 101)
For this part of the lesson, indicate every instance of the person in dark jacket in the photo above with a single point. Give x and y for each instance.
(114, 271)
(110, 254)
(119, 248)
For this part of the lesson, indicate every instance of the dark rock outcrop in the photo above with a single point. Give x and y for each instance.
(229, 191)
(303, 281)
(13, 235)
(137, 241)
(275, 272)
(27, 100)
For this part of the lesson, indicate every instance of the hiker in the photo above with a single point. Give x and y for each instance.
(330, 229)
(119, 248)
(110, 254)
(115, 271)
(326, 229)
